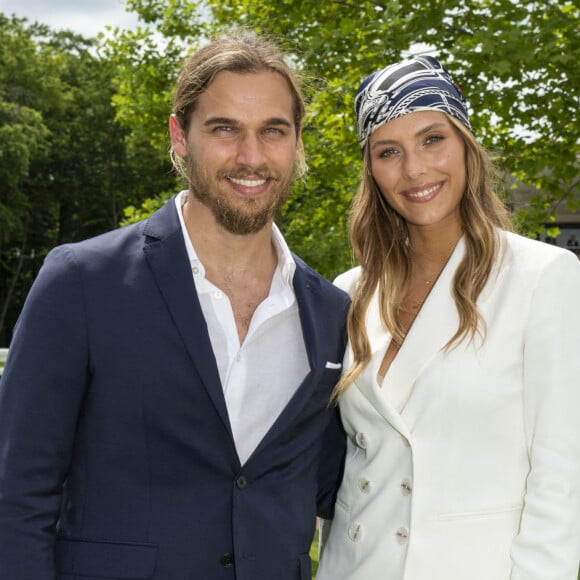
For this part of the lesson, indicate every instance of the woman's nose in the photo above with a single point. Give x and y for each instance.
(414, 165)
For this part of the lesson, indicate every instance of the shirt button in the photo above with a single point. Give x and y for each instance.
(241, 482)
(362, 440)
(406, 487)
(195, 270)
(354, 532)
(238, 357)
(218, 294)
(227, 560)
(364, 485)
(402, 535)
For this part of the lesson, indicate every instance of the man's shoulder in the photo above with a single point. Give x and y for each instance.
(326, 287)
(348, 280)
(122, 240)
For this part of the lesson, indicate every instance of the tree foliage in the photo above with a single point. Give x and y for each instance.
(515, 61)
(83, 125)
(65, 169)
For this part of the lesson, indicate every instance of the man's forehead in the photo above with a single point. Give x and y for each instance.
(237, 94)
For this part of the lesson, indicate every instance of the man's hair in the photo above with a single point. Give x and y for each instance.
(239, 52)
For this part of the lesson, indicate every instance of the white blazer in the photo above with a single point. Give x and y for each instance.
(465, 465)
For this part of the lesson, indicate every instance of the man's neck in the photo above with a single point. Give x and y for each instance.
(222, 250)
(242, 266)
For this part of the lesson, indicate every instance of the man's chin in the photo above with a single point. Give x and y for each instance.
(244, 225)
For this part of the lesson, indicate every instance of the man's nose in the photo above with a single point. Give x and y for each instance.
(250, 150)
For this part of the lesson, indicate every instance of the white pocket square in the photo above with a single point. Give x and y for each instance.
(331, 365)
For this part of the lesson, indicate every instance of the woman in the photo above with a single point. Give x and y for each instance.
(461, 397)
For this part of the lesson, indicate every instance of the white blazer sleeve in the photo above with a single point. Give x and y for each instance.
(548, 545)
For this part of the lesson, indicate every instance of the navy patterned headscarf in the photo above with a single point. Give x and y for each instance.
(419, 84)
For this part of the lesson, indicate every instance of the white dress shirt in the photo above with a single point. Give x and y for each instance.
(260, 375)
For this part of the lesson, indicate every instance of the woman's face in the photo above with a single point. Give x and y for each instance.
(418, 163)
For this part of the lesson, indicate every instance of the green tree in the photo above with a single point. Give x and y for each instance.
(516, 63)
(66, 168)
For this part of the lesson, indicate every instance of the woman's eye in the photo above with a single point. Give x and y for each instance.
(386, 153)
(434, 139)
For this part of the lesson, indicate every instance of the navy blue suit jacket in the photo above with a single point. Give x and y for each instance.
(116, 454)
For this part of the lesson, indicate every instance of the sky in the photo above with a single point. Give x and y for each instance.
(85, 17)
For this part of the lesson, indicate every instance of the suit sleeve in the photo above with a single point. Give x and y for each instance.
(331, 466)
(41, 392)
(548, 545)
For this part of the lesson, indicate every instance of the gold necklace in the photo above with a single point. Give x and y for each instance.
(415, 304)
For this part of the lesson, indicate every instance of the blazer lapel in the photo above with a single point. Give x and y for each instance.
(435, 324)
(166, 255)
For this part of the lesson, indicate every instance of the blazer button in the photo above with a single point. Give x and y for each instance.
(364, 485)
(354, 532)
(227, 560)
(241, 482)
(362, 440)
(402, 535)
(406, 487)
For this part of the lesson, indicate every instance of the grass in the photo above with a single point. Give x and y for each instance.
(314, 555)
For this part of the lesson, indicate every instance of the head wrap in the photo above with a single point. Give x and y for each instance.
(419, 84)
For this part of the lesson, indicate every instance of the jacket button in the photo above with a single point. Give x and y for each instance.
(241, 482)
(362, 440)
(227, 560)
(354, 532)
(406, 487)
(364, 485)
(402, 535)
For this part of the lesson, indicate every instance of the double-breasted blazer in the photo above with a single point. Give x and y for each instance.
(116, 453)
(465, 463)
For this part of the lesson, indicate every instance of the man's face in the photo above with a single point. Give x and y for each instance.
(241, 149)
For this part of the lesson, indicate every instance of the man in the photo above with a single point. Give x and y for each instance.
(163, 407)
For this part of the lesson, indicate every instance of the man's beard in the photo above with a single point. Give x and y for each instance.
(235, 220)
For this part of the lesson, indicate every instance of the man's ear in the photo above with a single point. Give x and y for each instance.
(178, 140)
(299, 144)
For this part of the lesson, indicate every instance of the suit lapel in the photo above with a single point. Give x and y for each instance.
(308, 296)
(166, 256)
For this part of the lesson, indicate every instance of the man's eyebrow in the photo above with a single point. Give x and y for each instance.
(278, 121)
(220, 121)
(274, 121)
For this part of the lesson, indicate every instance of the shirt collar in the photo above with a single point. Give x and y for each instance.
(286, 264)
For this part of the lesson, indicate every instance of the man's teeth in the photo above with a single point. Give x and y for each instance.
(425, 192)
(248, 182)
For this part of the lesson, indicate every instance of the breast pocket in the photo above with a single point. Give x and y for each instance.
(100, 559)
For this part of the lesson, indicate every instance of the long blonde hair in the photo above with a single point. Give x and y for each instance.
(379, 237)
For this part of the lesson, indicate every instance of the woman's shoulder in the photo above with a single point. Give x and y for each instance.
(529, 251)
(534, 258)
(347, 280)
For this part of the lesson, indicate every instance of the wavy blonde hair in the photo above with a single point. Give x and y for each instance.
(379, 237)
